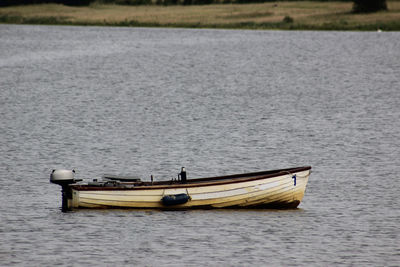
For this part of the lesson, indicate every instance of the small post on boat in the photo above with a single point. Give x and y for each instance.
(183, 175)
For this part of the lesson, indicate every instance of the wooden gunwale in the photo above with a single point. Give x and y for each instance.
(198, 182)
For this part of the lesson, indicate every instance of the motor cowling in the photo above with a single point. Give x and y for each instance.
(62, 177)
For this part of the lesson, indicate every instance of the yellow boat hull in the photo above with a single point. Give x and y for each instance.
(285, 189)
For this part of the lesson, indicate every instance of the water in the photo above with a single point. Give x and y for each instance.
(148, 101)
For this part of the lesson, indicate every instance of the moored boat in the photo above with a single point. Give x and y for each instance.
(283, 188)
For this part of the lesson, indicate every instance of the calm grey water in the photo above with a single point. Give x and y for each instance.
(148, 101)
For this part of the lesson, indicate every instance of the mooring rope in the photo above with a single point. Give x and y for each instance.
(303, 176)
(299, 176)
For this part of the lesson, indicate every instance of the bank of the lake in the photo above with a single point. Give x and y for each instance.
(273, 15)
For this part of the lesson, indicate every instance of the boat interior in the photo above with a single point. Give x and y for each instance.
(116, 181)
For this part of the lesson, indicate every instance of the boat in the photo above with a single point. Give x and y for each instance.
(273, 189)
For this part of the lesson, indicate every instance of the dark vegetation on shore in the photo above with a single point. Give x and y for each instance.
(368, 6)
(144, 2)
(34, 2)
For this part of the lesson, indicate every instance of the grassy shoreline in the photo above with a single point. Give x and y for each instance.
(273, 15)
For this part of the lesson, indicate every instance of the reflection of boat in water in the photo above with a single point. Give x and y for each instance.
(282, 188)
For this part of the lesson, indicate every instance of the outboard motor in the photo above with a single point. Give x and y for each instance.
(183, 175)
(64, 178)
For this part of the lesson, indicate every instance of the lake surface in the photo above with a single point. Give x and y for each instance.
(148, 101)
